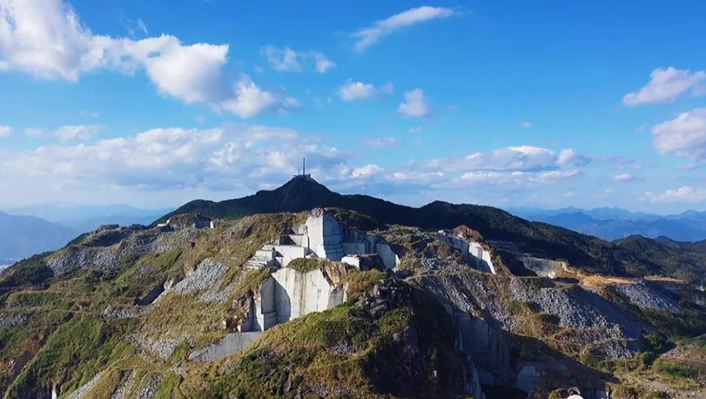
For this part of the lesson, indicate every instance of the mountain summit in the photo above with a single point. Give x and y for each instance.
(595, 255)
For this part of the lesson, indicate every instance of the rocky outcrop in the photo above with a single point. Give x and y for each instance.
(159, 347)
(85, 389)
(228, 345)
(646, 296)
(490, 310)
(8, 320)
(203, 277)
(106, 249)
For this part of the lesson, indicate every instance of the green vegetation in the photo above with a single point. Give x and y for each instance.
(346, 351)
(305, 265)
(73, 355)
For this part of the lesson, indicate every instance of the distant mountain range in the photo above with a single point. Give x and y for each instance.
(83, 218)
(23, 236)
(31, 230)
(616, 223)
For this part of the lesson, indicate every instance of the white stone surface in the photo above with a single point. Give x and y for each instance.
(231, 343)
(542, 267)
(289, 253)
(473, 252)
(389, 258)
(298, 294)
(351, 260)
(325, 235)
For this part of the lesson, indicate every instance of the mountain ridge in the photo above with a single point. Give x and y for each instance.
(22, 236)
(539, 239)
(617, 223)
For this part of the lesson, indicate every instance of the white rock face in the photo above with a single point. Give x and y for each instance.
(230, 344)
(290, 294)
(325, 235)
(298, 294)
(542, 267)
(473, 252)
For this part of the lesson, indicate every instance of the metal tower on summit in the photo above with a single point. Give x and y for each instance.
(304, 174)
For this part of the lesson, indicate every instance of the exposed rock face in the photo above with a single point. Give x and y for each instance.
(231, 343)
(122, 312)
(12, 320)
(106, 248)
(645, 296)
(325, 235)
(204, 276)
(290, 294)
(542, 267)
(123, 390)
(162, 347)
(485, 310)
(410, 346)
(477, 254)
(188, 221)
(84, 390)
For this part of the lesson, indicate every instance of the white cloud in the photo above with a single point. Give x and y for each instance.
(47, 39)
(415, 104)
(624, 177)
(286, 60)
(515, 166)
(379, 142)
(322, 63)
(681, 194)
(526, 125)
(684, 136)
(249, 100)
(365, 171)
(76, 132)
(167, 159)
(5, 131)
(666, 85)
(368, 36)
(356, 91)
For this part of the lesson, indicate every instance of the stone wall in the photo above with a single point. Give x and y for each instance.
(298, 294)
(230, 344)
(325, 235)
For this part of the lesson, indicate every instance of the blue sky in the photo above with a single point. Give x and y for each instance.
(504, 103)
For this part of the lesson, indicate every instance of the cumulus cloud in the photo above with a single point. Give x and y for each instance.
(624, 177)
(683, 136)
(370, 35)
(46, 38)
(515, 165)
(681, 194)
(365, 171)
(666, 85)
(287, 60)
(170, 159)
(415, 104)
(5, 131)
(358, 91)
(355, 91)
